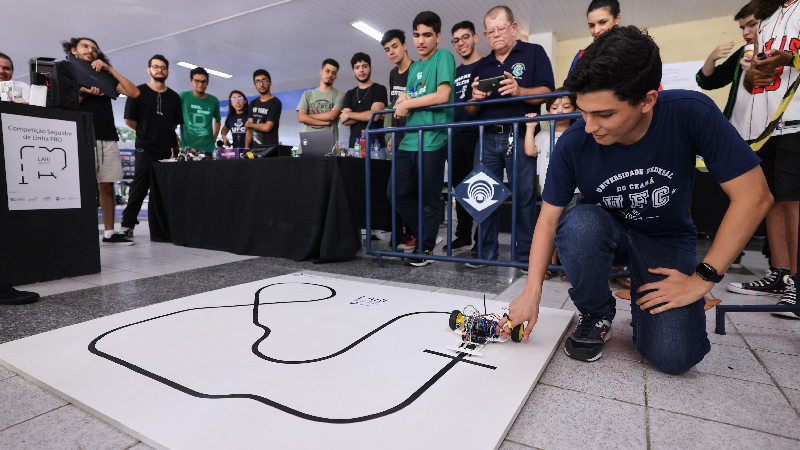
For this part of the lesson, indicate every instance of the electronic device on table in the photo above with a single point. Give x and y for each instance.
(61, 80)
(317, 143)
(478, 329)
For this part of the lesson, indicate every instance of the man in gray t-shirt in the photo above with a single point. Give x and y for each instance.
(319, 108)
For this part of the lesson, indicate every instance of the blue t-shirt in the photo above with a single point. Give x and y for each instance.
(235, 123)
(463, 87)
(647, 186)
(529, 65)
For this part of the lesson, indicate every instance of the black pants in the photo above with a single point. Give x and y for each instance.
(140, 184)
(463, 155)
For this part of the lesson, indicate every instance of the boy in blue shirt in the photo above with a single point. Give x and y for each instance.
(633, 157)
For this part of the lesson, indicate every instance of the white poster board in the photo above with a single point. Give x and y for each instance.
(293, 362)
(41, 158)
(681, 75)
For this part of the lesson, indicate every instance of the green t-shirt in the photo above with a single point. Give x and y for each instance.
(423, 79)
(315, 101)
(198, 121)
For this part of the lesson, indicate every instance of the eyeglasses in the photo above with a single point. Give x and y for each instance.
(200, 81)
(499, 31)
(237, 99)
(161, 68)
(262, 81)
(465, 38)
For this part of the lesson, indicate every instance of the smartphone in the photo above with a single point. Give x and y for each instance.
(490, 84)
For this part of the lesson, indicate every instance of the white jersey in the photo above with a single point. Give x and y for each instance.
(779, 31)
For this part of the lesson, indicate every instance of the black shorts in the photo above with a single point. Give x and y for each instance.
(780, 161)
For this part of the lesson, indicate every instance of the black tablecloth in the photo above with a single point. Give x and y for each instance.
(295, 208)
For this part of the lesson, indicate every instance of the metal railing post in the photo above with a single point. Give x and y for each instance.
(449, 191)
(514, 202)
(480, 160)
(368, 178)
(419, 194)
(394, 205)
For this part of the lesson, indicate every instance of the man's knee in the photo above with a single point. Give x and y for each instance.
(676, 354)
(584, 225)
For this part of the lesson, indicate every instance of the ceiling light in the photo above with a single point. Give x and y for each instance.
(368, 30)
(212, 72)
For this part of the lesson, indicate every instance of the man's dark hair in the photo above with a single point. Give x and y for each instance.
(330, 61)
(261, 72)
(623, 60)
(198, 71)
(73, 43)
(765, 8)
(231, 109)
(612, 5)
(391, 34)
(465, 25)
(4, 56)
(746, 11)
(429, 19)
(358, 57)
(160, 58)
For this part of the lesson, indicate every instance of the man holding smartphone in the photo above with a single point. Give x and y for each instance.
(527, 71)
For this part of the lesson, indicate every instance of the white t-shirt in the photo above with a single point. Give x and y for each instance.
(542, 141)
(779, 31)
(742, 113)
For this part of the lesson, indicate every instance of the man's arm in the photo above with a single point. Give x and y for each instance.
(131, 123)
(750, 201)
(265, 127)
(125, 87)
(310, 119)
(329, 116)
(718, 76)
(248, 137)
(510, 87)
(217, 125)
(346, 117)
(364, 116)
(525, 308)
(441, 96)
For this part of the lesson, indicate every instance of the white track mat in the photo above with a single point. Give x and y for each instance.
(293, 362)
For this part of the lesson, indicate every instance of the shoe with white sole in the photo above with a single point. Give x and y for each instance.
(772, 284)
(586, 342)
(789, 298)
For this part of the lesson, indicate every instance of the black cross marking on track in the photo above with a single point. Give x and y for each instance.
(460, 359)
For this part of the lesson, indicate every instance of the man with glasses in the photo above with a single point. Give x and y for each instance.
(263, 114)
(154, 114)
(464, 40)
(199, 110)
(7, 74)
(527, 71)
(360, 101)
(319, 108)
(108, 164)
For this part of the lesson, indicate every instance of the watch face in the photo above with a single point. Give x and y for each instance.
(708, 273)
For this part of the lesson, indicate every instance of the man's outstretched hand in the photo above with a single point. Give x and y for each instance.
(524, 308)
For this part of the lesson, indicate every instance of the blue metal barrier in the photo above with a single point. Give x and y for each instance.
(514, 121)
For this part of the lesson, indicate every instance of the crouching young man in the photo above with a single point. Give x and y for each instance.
(633, 158)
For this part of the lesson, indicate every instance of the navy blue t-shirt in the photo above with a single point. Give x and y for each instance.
(463, 86)
(647, 186)
(235, 123)
(529, 65)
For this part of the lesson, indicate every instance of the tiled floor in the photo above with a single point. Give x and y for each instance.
(744, 394)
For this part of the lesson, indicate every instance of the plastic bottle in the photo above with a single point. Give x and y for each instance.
(358, 147)
(214, 155)
(363, 144)
(375, 150)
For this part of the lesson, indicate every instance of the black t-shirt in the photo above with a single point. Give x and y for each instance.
(263, 112)
(235, 123)
(360, 100)
(157, 115)
(102, 115)
(463, 94)
(397, 85)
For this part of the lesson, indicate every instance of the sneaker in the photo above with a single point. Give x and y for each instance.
(789, 298)
(476, 264)
(439, 240)
(586, 342)
(117, 239)
(771, 284)
(409, 242)
(11, 296)
(126, 232)
(459, 243)
(423, 262)
(737, 264)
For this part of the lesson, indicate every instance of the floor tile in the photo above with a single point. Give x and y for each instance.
(508, 445)
(613, 378)
(362, 279)
(794, 397)
(419, 287)
(621, 346)
(733, 362)
(471, 294)
(555, 418)
(112, 258)
(5, 373)
(513, 291)
(54, 287)
(675, 431)
(784, 368)
(141, 446)
(103, 279)
(21, 400)
(771, 339)
(65, 428)
(731, 336)
(765, 320)
(758, 406)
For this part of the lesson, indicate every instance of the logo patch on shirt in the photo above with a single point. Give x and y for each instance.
(419, 75)
(517, 70)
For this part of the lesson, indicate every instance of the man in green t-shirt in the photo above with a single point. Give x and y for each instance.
(201, 118)
(430, 82)
(319, 108)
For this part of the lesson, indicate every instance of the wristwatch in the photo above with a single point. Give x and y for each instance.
(708, 273)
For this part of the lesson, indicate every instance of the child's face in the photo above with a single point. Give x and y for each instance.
(561, 105)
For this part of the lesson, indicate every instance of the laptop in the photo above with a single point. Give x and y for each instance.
(317, 143)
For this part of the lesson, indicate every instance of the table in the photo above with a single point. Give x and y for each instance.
(297, 208)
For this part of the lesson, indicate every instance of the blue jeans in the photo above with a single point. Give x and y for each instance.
(406, 168)
(496, 158)
(590, 241)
